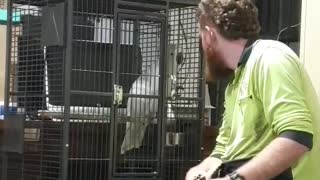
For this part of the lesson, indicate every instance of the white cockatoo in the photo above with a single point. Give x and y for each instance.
(141, 110)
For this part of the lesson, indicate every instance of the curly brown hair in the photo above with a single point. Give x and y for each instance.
(234, 19)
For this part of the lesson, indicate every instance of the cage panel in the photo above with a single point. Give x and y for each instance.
(139, 157)
(183, 145)
(91, 90)
(41, 154)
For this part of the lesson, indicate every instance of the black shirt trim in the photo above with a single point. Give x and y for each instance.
(301, 137)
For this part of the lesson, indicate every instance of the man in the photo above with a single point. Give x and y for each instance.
(271, 124)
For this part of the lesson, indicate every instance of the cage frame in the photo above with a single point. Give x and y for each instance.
(67, 79)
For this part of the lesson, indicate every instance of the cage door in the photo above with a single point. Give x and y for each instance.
(137, 133)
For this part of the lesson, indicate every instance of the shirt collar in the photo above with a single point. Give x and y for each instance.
(246, 52)
(243, 60)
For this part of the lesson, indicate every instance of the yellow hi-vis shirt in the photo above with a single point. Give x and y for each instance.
(270, 94)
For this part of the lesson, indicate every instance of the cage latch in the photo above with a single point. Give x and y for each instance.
(176, 89)
(118, 95)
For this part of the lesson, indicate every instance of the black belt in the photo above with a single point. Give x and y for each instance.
(229, 167)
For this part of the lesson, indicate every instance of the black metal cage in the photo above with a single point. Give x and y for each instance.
(102, 89)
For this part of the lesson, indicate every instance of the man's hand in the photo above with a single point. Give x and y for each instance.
(195, 172)
(205, 169)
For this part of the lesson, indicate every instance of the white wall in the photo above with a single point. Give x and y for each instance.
(310, 40)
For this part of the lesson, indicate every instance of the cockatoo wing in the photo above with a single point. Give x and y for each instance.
(141, 109)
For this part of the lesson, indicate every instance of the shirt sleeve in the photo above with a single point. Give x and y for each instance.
(280, 88)
(222, 139)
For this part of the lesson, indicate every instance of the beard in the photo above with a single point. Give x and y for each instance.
(216, 67)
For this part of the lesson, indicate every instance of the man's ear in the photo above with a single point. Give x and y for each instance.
(208, 36)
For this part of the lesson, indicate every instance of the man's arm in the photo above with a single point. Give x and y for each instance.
(280, 88)
(222, 139)
(210, 164)
(273, 160)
